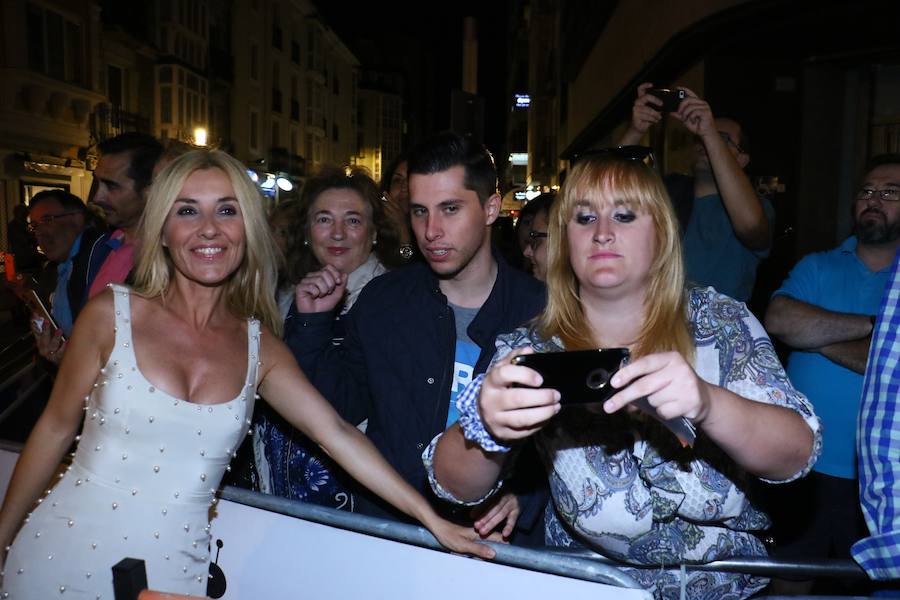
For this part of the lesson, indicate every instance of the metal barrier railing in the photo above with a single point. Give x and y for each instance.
(755, 565)
(536, 560)
(577, 563)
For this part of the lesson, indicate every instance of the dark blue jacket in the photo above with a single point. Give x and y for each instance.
(85, 265)
(396, 361)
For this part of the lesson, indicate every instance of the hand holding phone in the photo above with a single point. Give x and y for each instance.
(671, 99)
(583, 377)
(580, 376)
(38, 307)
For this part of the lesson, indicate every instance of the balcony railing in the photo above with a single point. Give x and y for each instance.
(109, 121)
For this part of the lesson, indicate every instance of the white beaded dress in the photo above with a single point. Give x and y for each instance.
(141, 485)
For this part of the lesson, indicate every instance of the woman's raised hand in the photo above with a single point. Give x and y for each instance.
(320, 291)
(513, 413)
(670, 384)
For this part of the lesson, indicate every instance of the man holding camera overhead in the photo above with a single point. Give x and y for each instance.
(727, 228)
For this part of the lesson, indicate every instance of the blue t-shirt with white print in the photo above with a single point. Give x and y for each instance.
(467, 353)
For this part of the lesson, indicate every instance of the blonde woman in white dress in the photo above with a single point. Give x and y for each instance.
(164, 379)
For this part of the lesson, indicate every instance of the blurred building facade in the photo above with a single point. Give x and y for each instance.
(51, 68)
(266, 80)
(381, 126)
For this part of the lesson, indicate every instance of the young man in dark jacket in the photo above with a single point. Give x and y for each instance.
(418, 335)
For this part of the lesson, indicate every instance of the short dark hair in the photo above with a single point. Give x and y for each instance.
(67, 200)
(879, 160)
(356, 179)
(449, 149)
(388, 173)
(539, 204)
(144, 151)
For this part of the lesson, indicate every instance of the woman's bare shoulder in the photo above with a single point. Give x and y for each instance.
(270, 345)
(94, 329)
(98, 311)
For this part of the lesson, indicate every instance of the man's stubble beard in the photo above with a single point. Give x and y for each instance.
(876, 231)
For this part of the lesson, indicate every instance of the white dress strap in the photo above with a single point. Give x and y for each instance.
(122, 307)
(253, 333)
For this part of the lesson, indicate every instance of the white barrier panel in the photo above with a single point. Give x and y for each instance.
(272, 556)
(267, 555)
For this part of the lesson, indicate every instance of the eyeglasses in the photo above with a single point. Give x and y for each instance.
(725, 136)
(632, 153)
(49, 219)
(886, 195)
(535, 239)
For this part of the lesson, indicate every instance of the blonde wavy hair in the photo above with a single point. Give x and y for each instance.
(250, 290)
(603, 180)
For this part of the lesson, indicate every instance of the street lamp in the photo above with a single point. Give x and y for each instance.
(200, 135)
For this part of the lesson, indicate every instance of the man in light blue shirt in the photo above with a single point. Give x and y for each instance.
(824, 310)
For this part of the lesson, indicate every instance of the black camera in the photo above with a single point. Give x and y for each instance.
(671, 99)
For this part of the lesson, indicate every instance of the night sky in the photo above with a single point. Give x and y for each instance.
(424, 39)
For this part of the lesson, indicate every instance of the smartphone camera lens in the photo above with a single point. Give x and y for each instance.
(597, 379)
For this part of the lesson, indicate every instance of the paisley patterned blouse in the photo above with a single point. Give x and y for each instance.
(626, 487)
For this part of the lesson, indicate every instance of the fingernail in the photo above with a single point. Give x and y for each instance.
(608, 406)
(557, 396)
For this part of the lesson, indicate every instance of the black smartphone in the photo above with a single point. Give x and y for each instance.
(671, 99)
(580, 376)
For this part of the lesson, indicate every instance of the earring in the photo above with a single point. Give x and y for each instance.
(306, 242)
(375, 242)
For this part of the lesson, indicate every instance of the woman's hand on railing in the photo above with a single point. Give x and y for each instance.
(461, 539)
(502, 508)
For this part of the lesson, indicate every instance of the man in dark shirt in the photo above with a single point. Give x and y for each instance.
(418, 335)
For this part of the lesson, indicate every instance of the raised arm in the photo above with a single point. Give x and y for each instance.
(644, 113)
(337, 372)
(90, 344)
(744, 208)
(288, 391)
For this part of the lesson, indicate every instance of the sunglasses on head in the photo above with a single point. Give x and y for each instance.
(631, 153)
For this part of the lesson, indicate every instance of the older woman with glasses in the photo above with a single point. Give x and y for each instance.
(622, 484)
